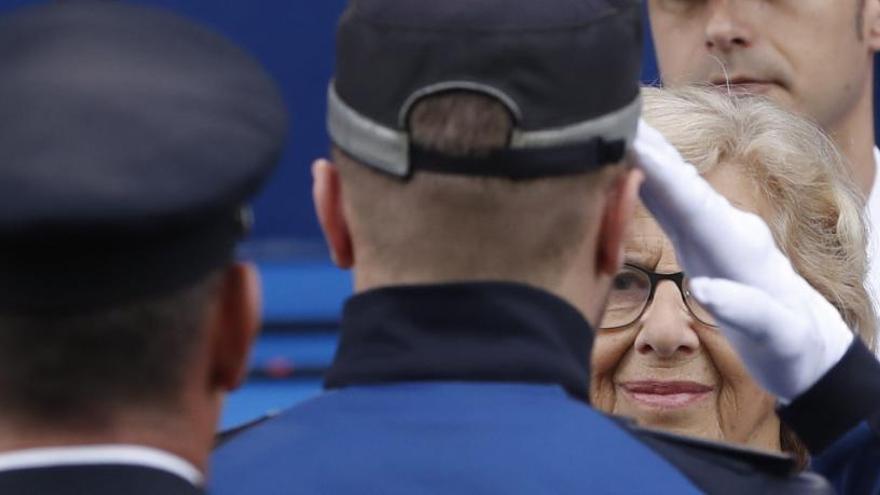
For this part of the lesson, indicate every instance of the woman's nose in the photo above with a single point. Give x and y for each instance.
(667, 326)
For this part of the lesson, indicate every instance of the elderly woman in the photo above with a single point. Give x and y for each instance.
(659, 357)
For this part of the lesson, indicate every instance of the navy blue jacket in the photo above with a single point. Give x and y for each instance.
(105, 479)
(839, 420)
(474, 388)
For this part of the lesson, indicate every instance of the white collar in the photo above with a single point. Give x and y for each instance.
(872, 209)
(873, 221)
(134, 455)
(874, 195)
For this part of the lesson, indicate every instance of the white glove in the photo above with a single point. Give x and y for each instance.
(787, 334)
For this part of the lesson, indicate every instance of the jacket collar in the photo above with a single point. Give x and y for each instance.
(100, 455)
(482, 331)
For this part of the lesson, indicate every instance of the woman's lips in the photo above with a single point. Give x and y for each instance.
(666, 395)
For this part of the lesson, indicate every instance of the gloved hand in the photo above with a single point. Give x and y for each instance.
(787, 334)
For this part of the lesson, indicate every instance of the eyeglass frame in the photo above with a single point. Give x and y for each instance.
(655, 278)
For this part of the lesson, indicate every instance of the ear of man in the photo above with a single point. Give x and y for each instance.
(619, 206)
(233, 323)
(612, 202)
(327, 197)
(870, 20)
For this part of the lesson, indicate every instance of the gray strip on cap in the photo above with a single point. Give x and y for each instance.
(615, 126)
(368, 141)
(388, 149)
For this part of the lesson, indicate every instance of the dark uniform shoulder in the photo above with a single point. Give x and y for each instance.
(720, 468)
(228, 434)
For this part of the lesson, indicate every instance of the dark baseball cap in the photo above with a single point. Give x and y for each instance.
(132, 140)
(567, 71)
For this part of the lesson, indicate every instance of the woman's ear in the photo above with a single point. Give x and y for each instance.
(617, 214)
(327, 195)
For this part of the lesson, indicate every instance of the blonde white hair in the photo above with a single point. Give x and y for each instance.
(816, 212)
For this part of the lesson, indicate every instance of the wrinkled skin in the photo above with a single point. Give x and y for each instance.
(668, 345)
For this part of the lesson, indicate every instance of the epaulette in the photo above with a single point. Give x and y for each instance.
(228, 434)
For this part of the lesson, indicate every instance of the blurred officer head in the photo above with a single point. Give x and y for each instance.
(131, 141)
(472, 142)
(815, 57)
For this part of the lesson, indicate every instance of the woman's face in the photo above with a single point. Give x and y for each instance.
(668, 370)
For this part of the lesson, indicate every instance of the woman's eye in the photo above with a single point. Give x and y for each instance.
(628, 281)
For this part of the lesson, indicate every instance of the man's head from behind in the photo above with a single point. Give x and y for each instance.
(495, 157)
(138, 371)
(133, 139)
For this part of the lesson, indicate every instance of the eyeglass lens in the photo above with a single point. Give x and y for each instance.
(631, 292)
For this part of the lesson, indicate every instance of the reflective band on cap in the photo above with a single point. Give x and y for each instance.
(620, 125)
(388, 149)
(371, 143)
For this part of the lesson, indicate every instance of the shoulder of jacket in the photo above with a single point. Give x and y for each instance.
(722, 468)
(226, 435)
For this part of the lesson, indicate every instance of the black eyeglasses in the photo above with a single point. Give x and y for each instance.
(633, 290)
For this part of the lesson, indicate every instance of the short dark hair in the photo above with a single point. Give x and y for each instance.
(460, 123)
(72, 368)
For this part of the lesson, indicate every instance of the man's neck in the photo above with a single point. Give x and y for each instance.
(573, 289)
(854, 137)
